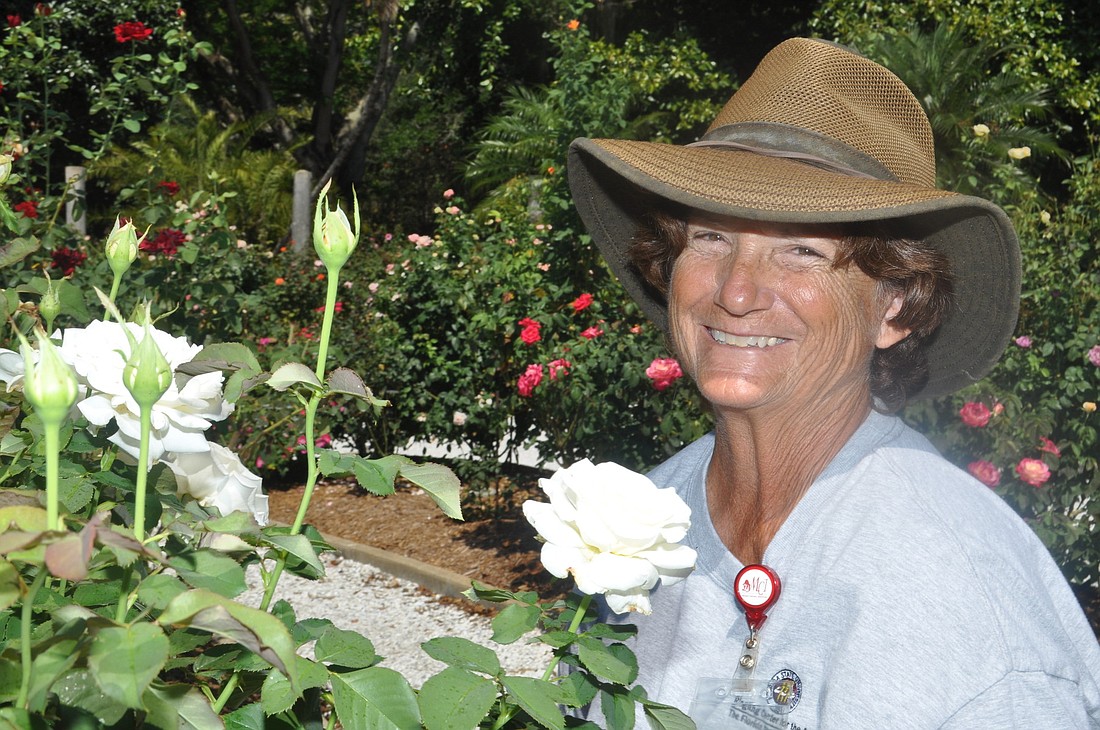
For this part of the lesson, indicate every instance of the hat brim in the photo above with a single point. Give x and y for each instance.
(611, 181)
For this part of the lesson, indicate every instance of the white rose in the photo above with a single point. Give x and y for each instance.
(614, 531)
(99, 352)
(217, 478)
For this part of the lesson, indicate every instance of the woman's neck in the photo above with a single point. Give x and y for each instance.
(762, 466)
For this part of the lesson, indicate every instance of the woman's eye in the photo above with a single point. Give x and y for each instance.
(807, 251)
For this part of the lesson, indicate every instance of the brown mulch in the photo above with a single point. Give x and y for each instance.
(499, 550)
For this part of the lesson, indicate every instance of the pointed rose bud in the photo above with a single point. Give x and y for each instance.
(49, 382)
(147, 373)
(5, 168)
(122, 246)
(50, 304)
(333, 237)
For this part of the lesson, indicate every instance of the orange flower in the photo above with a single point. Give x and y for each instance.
(279, 281)
(320, 277)
(573, 24)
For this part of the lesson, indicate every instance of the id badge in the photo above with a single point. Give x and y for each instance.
(722, 704)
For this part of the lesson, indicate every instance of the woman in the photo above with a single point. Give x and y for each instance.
(813, 279)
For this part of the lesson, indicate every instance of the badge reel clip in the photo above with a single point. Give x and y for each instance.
(723, 703)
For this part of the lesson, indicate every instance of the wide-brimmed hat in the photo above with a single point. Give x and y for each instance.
(818, 134)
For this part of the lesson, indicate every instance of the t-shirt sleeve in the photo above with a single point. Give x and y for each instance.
(1032, 700)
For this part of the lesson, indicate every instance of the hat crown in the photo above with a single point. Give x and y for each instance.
(827, 90)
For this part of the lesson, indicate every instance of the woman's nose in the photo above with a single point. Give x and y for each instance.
(743, 285)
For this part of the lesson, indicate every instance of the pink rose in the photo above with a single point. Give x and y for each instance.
(530, 379)
(591, 333)
(582, 302)
(1094, 355)
(1049, 446)
(448, 194)
(559, 367)
(530, 332)
(1023, 341)
(664, 371)
(985, 472)
(974, 414)
(1033, 471)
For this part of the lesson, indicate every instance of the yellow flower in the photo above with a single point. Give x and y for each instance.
(980, 130)
(1019, 153)
(1045, 218)
(1089, 406)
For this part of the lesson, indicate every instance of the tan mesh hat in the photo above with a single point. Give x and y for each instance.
(817, 134)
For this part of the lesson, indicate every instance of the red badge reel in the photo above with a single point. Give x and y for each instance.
(756, 589)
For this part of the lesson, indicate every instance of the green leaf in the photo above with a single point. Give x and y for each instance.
(463, 653)
(666, 717)
(16, 250)
(47, 666)
(480, 591)
(179, 705)
(455, 698)
(11, 584)
(125, 659)
(348, 382)
(299, 547)
(78, 688)
(617, 706)
(439, 482)
(256, 630)
(557, 639)
(158, 590)
(277, 695)
(374, 475)
(513, 621)
(375, 698)
(345, 649)
(132, 125)
(613, 662)
(578, 689)
(223, 356)
(211, 570)
(68, 557)
(249, 717)
(294, 373)
(539, 699)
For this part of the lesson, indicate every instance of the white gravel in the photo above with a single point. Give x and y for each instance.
(395, 615)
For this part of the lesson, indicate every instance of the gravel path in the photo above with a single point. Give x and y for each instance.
(395, 614)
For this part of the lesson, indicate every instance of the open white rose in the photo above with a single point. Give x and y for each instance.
(614, 531)
(217, 478)
(180, 418)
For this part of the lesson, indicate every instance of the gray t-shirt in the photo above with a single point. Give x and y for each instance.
(912, 597)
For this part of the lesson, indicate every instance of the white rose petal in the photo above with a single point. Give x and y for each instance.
(217, 478)
(614, 531)
(11, 368)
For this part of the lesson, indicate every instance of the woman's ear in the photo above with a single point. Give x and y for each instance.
(889, 333)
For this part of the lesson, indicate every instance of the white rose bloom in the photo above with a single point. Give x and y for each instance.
(217, 478)
(99, 352)
(614, 531)
(11, 368)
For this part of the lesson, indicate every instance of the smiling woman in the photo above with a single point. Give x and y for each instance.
(813, 280)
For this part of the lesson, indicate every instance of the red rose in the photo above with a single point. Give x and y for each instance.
(42, 9)
(67, 259)
(132, 30)
(29, 208)
(167, 241)
(14, 21)
(582, 302)
(559, 367)
(591, 333)
(531, 377)
(169, 187)
(1049, 446)
(1033, 471)
(985, 472)
(975, 415)
(530, 332)
(664, 371)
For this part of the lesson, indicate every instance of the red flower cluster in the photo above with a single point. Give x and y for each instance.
(14, 21)
(132, 30)
(168, 187)
(167, 241)
(530, 332)
(67, 259)
(29, 208)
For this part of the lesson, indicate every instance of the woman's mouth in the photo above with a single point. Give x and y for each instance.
(725, 338)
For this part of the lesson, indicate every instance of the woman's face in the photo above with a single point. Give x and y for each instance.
(760, 316)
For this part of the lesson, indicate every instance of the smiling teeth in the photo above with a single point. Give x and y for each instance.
(725, 338)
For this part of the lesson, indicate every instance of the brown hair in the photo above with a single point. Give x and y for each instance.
(910, 267)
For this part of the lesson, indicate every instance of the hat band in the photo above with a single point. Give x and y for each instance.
(796, 143)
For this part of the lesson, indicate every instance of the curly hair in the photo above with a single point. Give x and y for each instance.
(916, 270)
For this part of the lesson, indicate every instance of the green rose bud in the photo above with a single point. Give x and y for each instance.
(50, 304)
(333, 237)
(5, 168)
(122, 246)
(50, 383)
(147, 373)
